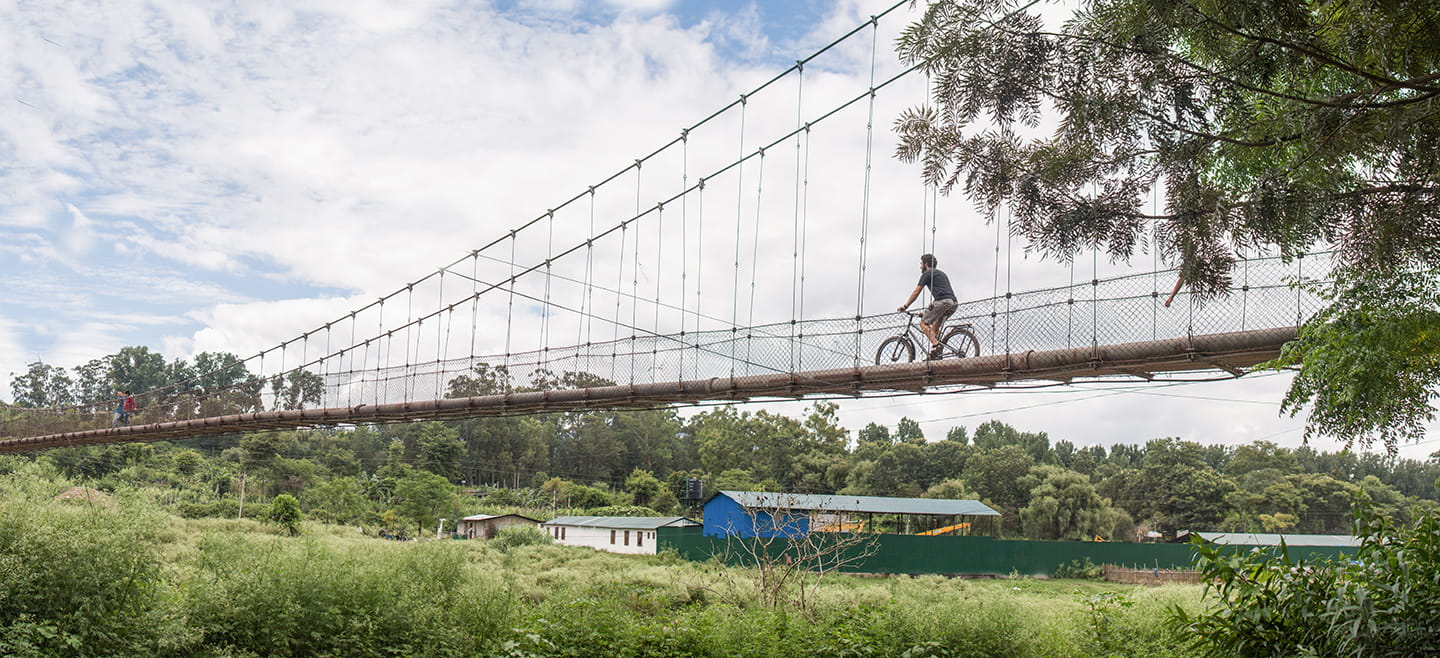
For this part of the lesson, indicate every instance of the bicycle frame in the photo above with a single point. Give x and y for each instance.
(904, 344)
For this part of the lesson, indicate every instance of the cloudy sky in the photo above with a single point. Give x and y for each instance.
(222, 176)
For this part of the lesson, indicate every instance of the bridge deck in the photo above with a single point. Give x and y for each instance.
(1230, 352)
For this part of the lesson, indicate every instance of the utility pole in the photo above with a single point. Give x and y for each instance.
(242, 496)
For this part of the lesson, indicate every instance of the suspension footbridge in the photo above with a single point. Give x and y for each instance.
(732, 263)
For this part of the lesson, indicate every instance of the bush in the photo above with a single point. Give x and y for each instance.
(1383, 602)
(623, 510)
(519, 535)
(285, 512)
(1082, 569)
(219, 509)
(322, 596)
(80, 580)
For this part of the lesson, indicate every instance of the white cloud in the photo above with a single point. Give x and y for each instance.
(220, 177)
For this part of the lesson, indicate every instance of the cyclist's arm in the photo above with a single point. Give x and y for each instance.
(1174, 291)
(913, 295)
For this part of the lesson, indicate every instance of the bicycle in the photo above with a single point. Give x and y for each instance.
(958, 341)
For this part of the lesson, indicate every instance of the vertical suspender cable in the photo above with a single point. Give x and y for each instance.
(380, 333)
(1094, 296)
(510, 305)
(865, 197)
(804, 241)
(739, 212)
(659, 261)
(995, 290)
(699, 262)
(619, 294)
(440, 353)
(754, 260)
(1070, 304)
(1155, 264)
(635, 278)
(588, 301)
(1009, 267)
(350, 379)
(795, 223)
(474, 304)
(684, 244)
(545, 310)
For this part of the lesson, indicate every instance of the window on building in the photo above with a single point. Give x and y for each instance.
(639, 538)
(612, 536)
(627, 537)
(562, 533)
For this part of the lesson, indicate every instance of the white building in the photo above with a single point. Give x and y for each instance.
(616, 534)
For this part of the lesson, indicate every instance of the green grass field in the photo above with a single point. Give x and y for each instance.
(85, 579)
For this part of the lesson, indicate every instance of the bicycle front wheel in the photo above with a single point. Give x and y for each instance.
(962, 342)
(894, 350)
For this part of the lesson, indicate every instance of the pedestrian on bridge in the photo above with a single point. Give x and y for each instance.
(124, 406)
(940, 308)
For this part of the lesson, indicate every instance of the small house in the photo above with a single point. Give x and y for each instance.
(486, 526)
(616, 534)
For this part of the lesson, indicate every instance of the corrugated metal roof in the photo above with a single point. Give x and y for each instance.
(1267, 539)
(871, 504)
(623, 522)
(486, 517)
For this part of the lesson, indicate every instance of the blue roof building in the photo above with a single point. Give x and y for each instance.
(766, 514)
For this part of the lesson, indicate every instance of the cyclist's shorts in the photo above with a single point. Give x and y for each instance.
(938, 311)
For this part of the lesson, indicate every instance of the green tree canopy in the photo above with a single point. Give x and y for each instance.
(285, 512)
(1271, 125)
(1064, 505)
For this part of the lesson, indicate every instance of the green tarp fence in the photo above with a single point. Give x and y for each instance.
(912, 554)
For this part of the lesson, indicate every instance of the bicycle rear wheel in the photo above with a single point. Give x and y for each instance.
(894, 350)
(961, 341)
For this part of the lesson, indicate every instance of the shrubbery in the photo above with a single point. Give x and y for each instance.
(80, 579)
(519, 535)
(1082, 569)
(1385, 601)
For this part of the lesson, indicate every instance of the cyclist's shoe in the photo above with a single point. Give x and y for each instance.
(937, 352)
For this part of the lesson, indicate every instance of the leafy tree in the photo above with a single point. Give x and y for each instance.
(137, 369)
(440, 450)
(994, 434)
(1261, 455)
(648, 491)
(873, 433)
(1174, 488)
(285, 512)
(823, 425)
(951, 489)
(894, 471)
(338, 500)
(42, 386)
(424, 497)
(1271, 125)
(908, 431)
(1064, 505)
(998, 474)
(297, 389)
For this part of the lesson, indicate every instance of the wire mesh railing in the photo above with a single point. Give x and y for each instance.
(1104, 312)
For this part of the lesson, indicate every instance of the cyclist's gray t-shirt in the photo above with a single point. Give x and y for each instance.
(938, 282)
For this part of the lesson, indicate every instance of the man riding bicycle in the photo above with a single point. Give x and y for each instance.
(940, 309)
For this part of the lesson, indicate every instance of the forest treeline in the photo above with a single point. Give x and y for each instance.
(409, 476)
